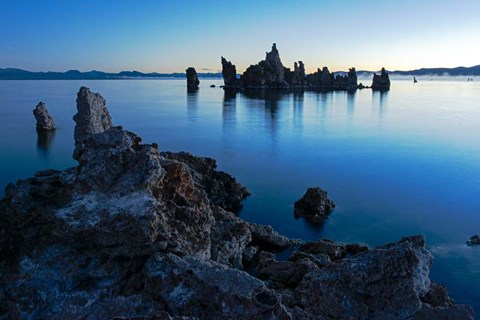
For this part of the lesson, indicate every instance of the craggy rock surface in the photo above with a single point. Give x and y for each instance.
(132, 233)
(381, 82)
(192, 79)
(314, 204)
(92, 117)
(44, 119)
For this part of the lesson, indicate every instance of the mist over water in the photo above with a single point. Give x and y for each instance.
(396, 163)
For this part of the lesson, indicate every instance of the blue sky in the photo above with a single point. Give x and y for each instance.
(168, 36)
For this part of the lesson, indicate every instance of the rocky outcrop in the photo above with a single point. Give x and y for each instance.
(229, 72)
(134, 233)
(271, 74)
(401, 269)
(295, 78)
(268, 73)
(192, 79)
(92, 117)
(44, 119)
(381, 82)
(314, 204)
(474, 240)
(298, 79)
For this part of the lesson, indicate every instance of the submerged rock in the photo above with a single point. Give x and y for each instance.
(381, 82)
(134, 233)
(192, 79)
(44, 119)
(314, 204)
(474, 240)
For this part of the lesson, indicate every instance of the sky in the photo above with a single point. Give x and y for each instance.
(169, 36)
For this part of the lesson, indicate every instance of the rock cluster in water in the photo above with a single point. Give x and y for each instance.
(192, 79)
(271, 74)
(135, 233)
(381, 82)
(44, 119)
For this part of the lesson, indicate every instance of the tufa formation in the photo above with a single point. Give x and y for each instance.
(135, 233)
(44, 119)
(271, 74)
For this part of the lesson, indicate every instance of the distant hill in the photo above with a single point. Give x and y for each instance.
(458, 71)
(19, 74)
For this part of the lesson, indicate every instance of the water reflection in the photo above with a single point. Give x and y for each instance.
(270, 98)
(350, 103)
(229, 106)
(380, 98)
(44, 141)
(192, 105)
(298, 102)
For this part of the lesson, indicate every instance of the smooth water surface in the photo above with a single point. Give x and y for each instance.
(398, 163)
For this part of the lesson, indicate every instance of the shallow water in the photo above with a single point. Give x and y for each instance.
(397, 163)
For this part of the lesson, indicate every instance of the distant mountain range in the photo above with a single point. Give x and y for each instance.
(19, 74)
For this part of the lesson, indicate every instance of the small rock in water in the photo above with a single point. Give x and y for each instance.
(44, 119)
(212, 86)
(314, 204)
(474, 240)
(192, 79)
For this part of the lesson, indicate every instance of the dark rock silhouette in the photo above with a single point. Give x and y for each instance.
(192, 79)
(44, 119)
(381, 82)
(295, 78)
(135, 233)
(271, 74)
(298, 79)
(474, 240)
(229, 72)
(267, 74)
(314, 204)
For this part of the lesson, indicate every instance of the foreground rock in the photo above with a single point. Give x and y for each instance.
(132, 233)
(192, 79)
(381, 82)
(314, 204)
(44, 119)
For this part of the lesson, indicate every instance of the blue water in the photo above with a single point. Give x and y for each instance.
(397, 163)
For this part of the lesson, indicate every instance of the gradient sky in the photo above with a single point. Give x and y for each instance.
(168, 36)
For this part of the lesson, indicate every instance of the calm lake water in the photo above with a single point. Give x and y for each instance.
(398, 163)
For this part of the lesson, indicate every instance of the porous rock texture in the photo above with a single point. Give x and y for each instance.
(132, 233)
(44, 119)
(313, 204)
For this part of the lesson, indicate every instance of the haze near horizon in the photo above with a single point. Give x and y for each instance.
(161, 36)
